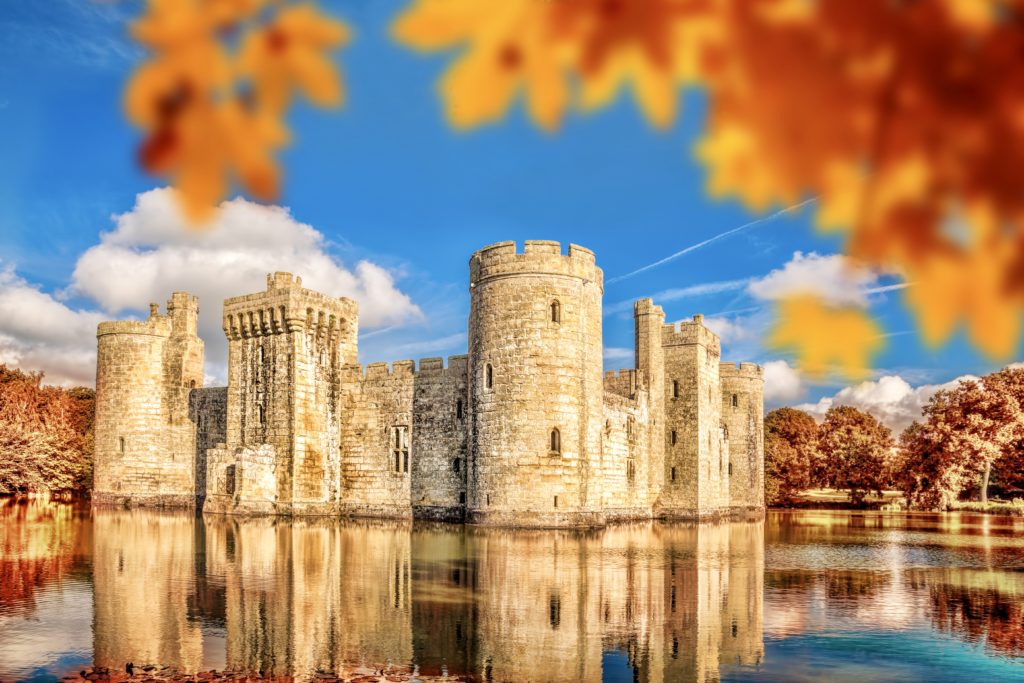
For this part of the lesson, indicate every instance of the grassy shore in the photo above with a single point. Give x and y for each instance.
(895, 501)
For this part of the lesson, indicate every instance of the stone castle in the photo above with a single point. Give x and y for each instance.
(525, 430)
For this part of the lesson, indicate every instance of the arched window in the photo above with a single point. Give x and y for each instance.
(489, 377)
(556, 441)
(675, 389)
(192, 384)
(556, 312)
(120, 445)
(735, 400)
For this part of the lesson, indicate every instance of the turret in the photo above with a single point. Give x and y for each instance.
(536, 387)
(743, 416)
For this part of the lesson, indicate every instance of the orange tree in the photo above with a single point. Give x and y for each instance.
(790, 454)
(855, 448)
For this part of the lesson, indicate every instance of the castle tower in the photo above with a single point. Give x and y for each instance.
(536, 388)
(144, 437)
(648, 321)
(743, 415)
(696, 476)
(285, 347)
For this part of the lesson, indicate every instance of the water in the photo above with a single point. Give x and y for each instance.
(800, 597)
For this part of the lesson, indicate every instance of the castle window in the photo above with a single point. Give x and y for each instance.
(462, 498)
(400, 448)
(556, 312)
(730, 469)
(457, 465)
(259, 355)
(120, 445)
(555, 610)
(735, 400)
(556, 442)
(673, 474)
(489, 377)
(261, 416)
(629, 426)
(673, 437)
(630, 470)
(229, 480)
(556, 501)
(458, 409)
(192, 384)
(675, 389)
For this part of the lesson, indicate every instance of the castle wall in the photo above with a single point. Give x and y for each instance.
(535, 371)
(625, 457)
(440, 438)
(208, 409)
(376, 417)
(743, 415)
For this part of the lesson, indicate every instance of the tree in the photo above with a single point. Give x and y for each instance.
(967, 431)
(855, 448)
(45, 435)
(790, 453)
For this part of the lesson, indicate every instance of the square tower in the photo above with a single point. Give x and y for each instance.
(696, 455)
(285, 348)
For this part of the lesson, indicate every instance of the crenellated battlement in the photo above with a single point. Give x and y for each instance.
(457, 366)
(626, 382)
(155, 326)
(285, 307)
(539, 257)
(748, 370)
(647, 307)
(687, 332)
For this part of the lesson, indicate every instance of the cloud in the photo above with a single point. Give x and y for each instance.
(451, 342)
(782, 382)
(832, 277)
(616, 354)
(730, 330)
(39, 332)
(151, 252)
(890, 398)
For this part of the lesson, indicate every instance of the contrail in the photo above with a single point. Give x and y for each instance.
(694, 247)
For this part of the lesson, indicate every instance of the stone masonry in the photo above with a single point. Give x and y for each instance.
(525, 430)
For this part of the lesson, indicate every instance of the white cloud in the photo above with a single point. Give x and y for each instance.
(730, 330)
(832, 277)
(679, 293)
(616, 354)
(39, 332)
(782, 382)
(890, 398)
(152, 252)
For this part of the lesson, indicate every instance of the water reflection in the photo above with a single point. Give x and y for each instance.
(643, 602)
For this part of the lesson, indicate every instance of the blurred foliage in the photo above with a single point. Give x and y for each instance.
(212, 98)
(965, 433)
(904, 119)
(45, 435)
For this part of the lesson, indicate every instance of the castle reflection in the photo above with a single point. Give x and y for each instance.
(295, 597)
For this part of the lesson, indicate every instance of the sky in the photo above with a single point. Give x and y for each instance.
(385, 203)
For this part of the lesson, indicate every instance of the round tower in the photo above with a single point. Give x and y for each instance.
(743, 417)
(144, 441)
(536, 390)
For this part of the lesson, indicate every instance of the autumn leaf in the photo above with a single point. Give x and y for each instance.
(826, 338)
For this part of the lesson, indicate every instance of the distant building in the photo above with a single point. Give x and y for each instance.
(525, 430)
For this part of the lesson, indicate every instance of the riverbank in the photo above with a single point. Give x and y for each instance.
(151, 674)
(894, 501)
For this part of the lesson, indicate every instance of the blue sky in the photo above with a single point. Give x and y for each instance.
(386, 181)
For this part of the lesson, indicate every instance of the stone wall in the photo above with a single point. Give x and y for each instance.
(208, 410)
(625, 460)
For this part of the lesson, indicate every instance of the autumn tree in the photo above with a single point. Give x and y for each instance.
(45, 435)
(790, 454)
(966, 433)
(854, 448)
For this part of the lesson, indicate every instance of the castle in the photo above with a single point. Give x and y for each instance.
(525, 430)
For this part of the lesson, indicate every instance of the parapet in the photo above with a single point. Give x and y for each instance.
(457, 365)
(286, 306)
(740, 370)
(156, 326)
(539, 257)
(623, 383)
(687, 332)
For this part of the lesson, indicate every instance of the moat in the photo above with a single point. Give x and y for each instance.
(801, 596)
